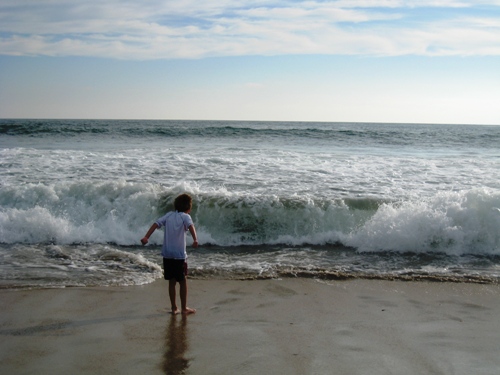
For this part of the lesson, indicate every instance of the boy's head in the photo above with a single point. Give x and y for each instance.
(183, 203)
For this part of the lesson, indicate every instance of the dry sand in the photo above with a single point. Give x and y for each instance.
(290, 326)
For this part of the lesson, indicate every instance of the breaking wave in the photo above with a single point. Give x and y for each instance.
(119, 213)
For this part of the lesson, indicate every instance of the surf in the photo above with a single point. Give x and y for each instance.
(118, 212)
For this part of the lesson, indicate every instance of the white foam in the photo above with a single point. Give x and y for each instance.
(455, 223)
(120, 212)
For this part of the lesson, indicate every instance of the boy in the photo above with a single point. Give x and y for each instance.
(174, 248)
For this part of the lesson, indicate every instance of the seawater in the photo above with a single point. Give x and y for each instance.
(271, 199)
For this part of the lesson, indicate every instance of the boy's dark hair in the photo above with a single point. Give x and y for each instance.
(183, 203)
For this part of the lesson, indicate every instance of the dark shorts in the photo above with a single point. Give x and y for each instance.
(175, 269)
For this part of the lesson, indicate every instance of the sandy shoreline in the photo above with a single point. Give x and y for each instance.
(289, 326)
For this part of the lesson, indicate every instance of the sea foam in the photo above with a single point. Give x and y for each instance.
(120, 213)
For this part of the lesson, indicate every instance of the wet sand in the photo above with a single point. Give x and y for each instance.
(289, 326)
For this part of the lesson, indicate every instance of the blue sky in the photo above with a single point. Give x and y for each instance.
(430, 61)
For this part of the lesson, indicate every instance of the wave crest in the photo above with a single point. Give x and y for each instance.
(119, 212)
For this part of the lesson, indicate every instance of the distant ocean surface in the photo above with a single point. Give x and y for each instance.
(271, 200)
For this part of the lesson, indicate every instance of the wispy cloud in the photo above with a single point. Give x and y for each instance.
(193, 29)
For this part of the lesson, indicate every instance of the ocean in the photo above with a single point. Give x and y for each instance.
(330, 201)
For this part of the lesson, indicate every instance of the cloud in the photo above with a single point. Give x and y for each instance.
(192, 29)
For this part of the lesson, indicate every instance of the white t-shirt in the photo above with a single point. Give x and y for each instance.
(174, 238)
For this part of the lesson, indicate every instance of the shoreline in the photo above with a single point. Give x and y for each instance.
(279, 326)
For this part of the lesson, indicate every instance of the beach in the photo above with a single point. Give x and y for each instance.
(324, 247)
(280, 326)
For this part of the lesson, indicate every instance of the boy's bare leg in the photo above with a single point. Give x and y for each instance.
(183, 292)
(171, 294)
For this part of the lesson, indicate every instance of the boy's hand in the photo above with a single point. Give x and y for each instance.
(144, 241)
(195, 244)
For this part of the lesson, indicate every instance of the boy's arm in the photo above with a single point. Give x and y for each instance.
(145, 240)
(192, 230)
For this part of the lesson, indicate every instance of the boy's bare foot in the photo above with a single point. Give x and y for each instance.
(188, 310)
(175, 311)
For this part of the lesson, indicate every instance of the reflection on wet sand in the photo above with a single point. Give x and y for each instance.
(176, 346)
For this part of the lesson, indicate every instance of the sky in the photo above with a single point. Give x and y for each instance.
(413, 61)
